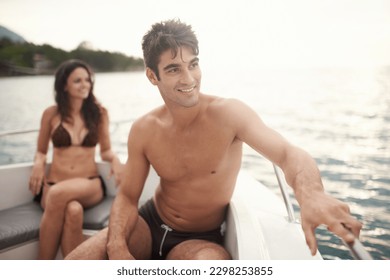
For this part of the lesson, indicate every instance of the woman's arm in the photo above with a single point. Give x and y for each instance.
(38, 169)
(106, 153)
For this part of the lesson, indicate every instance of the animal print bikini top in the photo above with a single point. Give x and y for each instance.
(61, 138)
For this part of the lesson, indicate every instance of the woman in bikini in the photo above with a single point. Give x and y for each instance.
(75, 125)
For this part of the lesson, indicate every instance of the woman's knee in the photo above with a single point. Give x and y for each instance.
(55, 198)
(74, 212)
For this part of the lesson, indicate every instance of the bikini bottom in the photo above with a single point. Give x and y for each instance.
(38, 197)
(165, 238)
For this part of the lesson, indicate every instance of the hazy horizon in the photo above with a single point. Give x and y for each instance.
(240, 34)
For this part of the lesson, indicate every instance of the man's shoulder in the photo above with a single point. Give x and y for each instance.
(220, 105)
(149, 120)
(229, 113)
(151, 117)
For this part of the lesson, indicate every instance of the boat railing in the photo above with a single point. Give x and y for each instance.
(284, 190)
(356, 247)
(357, 250)
(17, 131)
(113, 125)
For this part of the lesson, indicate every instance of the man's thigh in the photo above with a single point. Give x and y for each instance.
(140, 241)
(95, 247)
(197, 249)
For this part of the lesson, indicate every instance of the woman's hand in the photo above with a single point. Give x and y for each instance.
(37, 178)
(116, 170)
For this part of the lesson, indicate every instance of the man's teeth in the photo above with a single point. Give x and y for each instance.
(187, 90)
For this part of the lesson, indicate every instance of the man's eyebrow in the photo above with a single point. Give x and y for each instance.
(176, 65)
(169, 66)
(196, 59)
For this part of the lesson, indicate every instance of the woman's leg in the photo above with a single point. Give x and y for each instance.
(55, 201)
(72, 233)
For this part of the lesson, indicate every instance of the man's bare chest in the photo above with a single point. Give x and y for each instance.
(194, 155)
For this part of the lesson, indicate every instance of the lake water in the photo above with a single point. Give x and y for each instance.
(340, 116)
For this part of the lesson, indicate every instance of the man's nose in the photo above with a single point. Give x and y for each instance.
(187, 77)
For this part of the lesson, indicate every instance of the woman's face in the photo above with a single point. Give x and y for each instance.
(78, 84)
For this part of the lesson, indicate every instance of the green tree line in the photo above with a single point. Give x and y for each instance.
(48, 58)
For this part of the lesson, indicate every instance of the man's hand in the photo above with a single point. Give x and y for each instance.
(320, 208)
(118, 251)
(120, 255)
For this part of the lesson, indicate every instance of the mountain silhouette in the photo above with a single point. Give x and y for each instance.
(5, 33)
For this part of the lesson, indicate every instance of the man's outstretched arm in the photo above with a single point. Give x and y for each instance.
(301, 174)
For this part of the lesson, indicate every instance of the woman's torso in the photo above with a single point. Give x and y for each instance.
(73, 150)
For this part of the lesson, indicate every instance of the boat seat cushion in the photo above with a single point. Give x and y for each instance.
(21, 223)
(97, 216)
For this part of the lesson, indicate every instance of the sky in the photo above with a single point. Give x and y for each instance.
(242, 33)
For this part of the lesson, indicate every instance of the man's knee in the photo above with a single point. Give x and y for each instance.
(198, 250)
(212, 253)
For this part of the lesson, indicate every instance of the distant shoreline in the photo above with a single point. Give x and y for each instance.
(10, 70)
(27, 59)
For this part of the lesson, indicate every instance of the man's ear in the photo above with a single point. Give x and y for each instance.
(151, 76)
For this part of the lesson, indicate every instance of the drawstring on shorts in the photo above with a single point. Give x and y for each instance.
(166, 228)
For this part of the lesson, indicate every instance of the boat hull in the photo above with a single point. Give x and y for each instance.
(257, 225)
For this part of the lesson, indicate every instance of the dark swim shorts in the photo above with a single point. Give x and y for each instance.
(165, 238)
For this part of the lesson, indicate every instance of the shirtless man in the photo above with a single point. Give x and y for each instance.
(194, 142)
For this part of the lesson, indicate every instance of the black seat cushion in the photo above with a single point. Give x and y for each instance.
(19, 224)
(97, 216)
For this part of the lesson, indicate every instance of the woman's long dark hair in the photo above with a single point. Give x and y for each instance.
(91, 109)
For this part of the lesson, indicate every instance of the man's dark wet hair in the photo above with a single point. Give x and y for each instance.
(170, 34)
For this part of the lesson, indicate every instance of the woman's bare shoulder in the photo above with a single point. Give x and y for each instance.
(103, 110)
(50, 112)
(53, 109)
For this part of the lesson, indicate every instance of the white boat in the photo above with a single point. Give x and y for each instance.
(257, 225)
